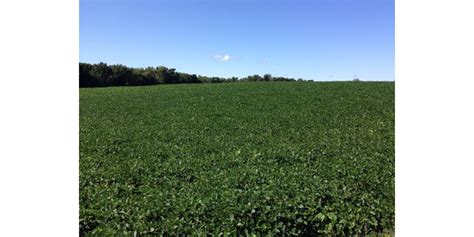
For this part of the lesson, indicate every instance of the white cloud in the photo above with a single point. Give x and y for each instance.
(223, 57)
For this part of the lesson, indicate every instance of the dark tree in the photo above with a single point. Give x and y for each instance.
(101, 74)
(267, 77)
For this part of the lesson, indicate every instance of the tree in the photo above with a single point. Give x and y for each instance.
(103, 73)
(254, 78)
(167, 75)
(194, 79)
(120, 75)
(162, 73)
(85, 77)
(267, 77)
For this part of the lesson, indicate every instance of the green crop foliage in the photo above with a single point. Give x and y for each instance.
(238, 159)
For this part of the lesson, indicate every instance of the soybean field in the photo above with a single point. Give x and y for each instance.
(244, 158)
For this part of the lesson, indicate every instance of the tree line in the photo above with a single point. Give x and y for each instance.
(102, 75)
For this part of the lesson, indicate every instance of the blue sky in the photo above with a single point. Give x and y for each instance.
(319, 39)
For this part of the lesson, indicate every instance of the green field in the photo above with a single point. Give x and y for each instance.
(268, 158)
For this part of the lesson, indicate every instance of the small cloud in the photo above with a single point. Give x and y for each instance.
(223, 57)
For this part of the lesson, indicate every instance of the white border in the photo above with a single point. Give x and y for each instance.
(434, 118)
(39, 127)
